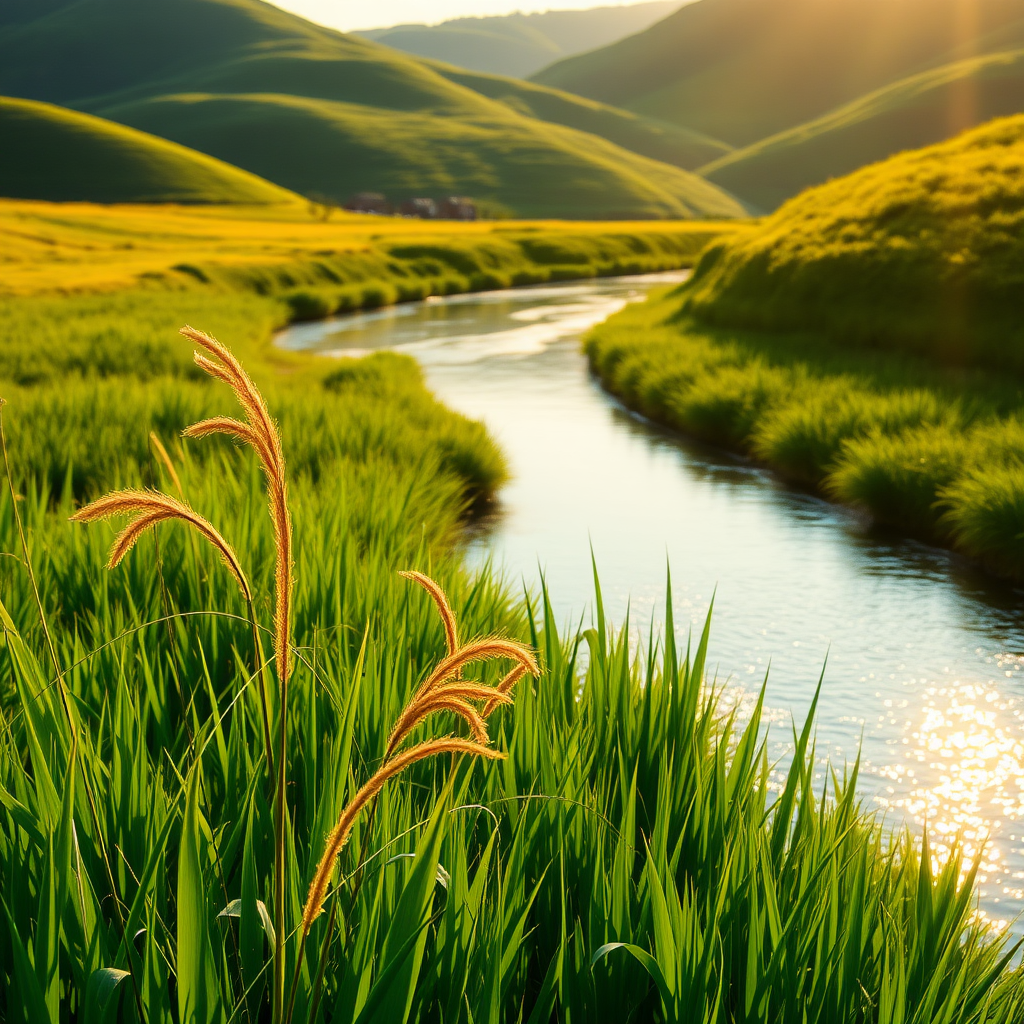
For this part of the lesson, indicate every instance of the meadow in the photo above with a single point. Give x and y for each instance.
(190, 737)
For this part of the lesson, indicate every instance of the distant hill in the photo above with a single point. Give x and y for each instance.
(915, 111)
(64, 155)
(744, 70)
(924, 251)
(320, 112)
(521, 44)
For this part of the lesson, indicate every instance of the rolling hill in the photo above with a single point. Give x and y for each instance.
(659, 140)
(923, 251)
(916, 111)
(321, 112)
(744, 70)
(64, 155)
(521, 44)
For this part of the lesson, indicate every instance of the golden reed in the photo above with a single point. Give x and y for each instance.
(441, 691)
(149, 509)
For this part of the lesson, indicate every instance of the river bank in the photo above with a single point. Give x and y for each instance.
(626, 805)
(92, 298)
(931, 450)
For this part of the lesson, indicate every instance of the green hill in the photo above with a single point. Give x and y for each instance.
(321, 112)
(336, 149)
(744, 70)
(924, 252)
(64, 155)
(916, 111)
(659, 140)
(521, 44)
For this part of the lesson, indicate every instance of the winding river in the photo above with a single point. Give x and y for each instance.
(924, 654)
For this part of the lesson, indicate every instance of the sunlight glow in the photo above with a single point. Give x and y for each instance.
(964, 778)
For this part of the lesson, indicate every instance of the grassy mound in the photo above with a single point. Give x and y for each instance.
(330, 114)
(743, 70)
(66, 155)
(648, 136)
(917, 111)
(921, 252)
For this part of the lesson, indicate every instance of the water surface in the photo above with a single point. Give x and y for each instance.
(924, 654)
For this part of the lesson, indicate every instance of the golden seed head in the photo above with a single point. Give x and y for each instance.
(150, 508)
(339, 834)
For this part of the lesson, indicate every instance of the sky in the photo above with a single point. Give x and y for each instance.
(349, 15)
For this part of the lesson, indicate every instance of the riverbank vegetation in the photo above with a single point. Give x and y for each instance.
(619, 849)
(864, 341)
(89, 352)
(617, 861)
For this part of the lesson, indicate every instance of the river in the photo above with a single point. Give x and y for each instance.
(924, 654)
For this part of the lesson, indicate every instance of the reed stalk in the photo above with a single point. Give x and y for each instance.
(259, 432)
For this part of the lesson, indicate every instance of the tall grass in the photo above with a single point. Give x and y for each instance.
(137, 826)
(896, 435)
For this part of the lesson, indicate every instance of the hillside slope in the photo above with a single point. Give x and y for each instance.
(743, 70)
(64, 155)
(916, 111)
(521, 44)
(924, 251)
(330, 114)
(659, 140)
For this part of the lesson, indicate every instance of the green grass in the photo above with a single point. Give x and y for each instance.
(921, 252)
(97, 371)
(630, 808)
(934, 452)
(65, 155)
(336, 148)
(518, 44)
(864, 340)
(345, 114)
(917, 111)
(743, 70)
(136, 828)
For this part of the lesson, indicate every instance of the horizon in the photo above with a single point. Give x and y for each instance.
(346, 18)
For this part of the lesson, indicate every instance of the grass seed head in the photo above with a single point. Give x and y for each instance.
(339, 834)
(150, 508)
(261, 434)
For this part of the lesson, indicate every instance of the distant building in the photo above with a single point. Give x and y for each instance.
(456, 208)
(425, 209)
(369, 202)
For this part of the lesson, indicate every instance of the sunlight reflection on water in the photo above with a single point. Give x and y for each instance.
(924, 655)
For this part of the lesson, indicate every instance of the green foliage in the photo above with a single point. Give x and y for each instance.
(912, 443)
(629, 809)
(136, 823)
(65, 155)
(345, 114)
